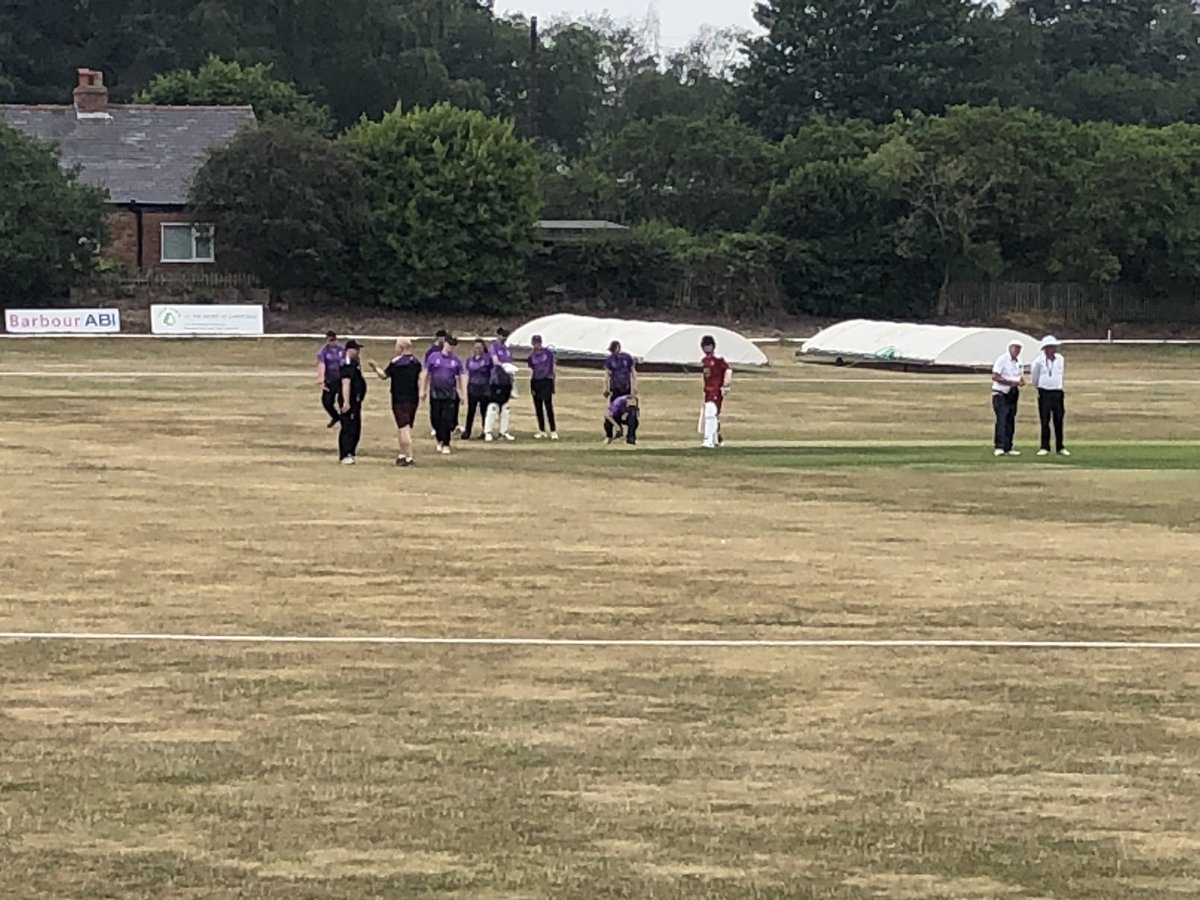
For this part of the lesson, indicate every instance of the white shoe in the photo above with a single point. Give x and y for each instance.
(348, 461)
(997, 452)
(508, 437)
(1064, 452)
(554, 435)
(1043, 453)
(445, 451)
(1014, 452)
(433, 434)
(488, 438)
(541, 435)
(440, 448)
(708, 446)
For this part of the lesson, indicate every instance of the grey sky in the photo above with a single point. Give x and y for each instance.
(678, 19)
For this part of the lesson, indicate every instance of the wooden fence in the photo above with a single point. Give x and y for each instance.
(184, 280)
(1069, 304)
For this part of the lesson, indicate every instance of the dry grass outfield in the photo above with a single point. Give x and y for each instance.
(850, 503)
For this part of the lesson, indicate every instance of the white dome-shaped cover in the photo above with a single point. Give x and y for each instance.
(653, 343)
(905, 343)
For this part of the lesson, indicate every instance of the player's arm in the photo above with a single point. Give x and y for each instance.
(346, 392)
(633, 379)
(382, 373)
(607, 385)
(462, 385)
(423, 385)
(320, 370)
(727, 381)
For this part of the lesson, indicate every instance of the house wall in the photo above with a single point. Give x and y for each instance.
(122, 241)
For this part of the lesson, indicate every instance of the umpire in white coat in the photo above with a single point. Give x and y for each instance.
(1047, 376)
(1008, 377)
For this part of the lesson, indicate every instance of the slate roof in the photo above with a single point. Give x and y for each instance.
(147, 154)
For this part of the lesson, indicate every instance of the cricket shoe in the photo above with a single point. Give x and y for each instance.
(508, 437)
(348, 461)
(445, 451)
(1043, 453)
(997, 452)
(540, 436)
(1014, 452)
(488, 438)
(1064, 452)
(554, 435)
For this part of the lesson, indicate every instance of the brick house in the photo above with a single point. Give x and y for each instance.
(145, 156)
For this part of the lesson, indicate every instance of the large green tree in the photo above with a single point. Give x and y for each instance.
(288, 206)
(50, 223)
(862, 58)
(453, 199)
(221, 83)
(701, 174)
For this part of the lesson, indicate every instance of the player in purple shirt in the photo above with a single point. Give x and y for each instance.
(620, 372)
(444, 381)
(329, 368)
(502, 388)
(541, 385)
(479, 386)
(621, 418)
(439, 341)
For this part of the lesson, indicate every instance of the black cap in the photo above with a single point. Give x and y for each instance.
(502, 332)
(536, 339)
(353, 345)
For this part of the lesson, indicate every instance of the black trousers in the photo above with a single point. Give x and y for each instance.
(1005, 408)
(444, 413)
(331, 399)
(350, 433)
(543, 402)
(628, 421)
(477, 401)
(1051, 408)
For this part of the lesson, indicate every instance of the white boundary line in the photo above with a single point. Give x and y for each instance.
(600, 643)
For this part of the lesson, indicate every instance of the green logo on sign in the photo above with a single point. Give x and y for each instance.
(885, 353)
(169, 317)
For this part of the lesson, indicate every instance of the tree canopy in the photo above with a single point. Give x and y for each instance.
(50, 223)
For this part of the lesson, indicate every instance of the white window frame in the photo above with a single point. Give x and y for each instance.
(195, 226)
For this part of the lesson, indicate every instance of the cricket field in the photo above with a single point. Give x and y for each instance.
(191, 488)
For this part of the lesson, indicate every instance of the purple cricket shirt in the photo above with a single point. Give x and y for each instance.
(503, 355)
(542, 363)
(332, 355)
(479, 372)
(616, 409)
(443, 376)
(620, 372)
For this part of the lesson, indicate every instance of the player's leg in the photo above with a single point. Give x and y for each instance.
(711, 424)
(631, 425)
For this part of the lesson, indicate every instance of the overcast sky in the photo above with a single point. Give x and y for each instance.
(678, 19)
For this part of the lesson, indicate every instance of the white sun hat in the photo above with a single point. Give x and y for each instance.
(1049, 341)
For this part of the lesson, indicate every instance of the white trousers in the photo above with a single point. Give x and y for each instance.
(711, 424)
(494, 412)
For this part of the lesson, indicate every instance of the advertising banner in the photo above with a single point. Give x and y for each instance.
(62, 321)
(216, 320)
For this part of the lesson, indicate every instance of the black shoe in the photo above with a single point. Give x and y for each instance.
(465, 436)
(403, 462)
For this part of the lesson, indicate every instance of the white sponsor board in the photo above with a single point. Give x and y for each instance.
(62, 321)
(188, 319)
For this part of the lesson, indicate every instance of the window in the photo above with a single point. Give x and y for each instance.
(187, 242)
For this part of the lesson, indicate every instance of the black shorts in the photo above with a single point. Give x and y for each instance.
(404, 412)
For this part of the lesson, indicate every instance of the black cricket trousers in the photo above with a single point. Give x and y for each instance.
(1005, 407)
(331, 399)
(1052, 408)
(477, 400)
(445, 415)
(543, 402)
(350, 433)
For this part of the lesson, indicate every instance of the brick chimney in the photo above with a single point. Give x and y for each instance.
(91, 96)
